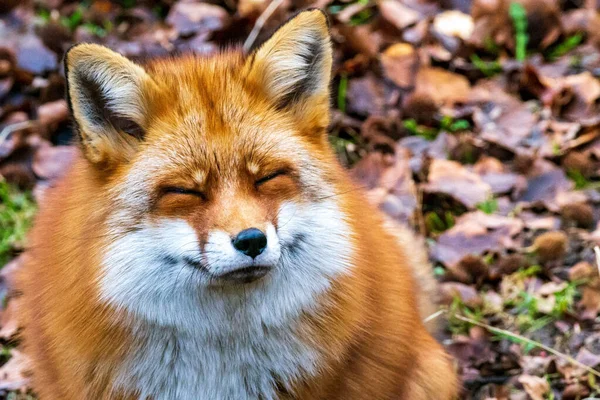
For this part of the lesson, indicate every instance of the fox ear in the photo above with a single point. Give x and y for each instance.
(295, 63)
(107, 95)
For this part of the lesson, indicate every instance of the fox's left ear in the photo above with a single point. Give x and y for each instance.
(108, 97)
(294, 65)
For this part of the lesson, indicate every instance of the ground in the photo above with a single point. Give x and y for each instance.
(475, 121)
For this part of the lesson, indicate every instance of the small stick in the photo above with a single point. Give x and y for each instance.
(434, 315)
(597, 251)
(260, 22)
(529, 341)
(13, 128)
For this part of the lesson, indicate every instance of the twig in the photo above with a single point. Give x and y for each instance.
(260, 22)
(529, 341)
(434, 315)
(13, 128)
(597, 251)
(420, 217)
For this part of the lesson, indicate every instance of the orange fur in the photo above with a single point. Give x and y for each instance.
(214, 127)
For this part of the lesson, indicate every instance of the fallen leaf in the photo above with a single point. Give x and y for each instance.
(467, 294)
(9, 321)
(247, 8)
(400, 63)
(50, 162)
(392, 186)
(535, 386)
(193, 18)
(583, 270)
(365, 96)
(444, 87)
(535, 365)
(476, 233)
(33, 56)
(545, 188)
(494, 173)
(589, 303)
(454, 23)
(398, 14)
(452, 179)
(588, 358)
(14, 375)
(50, 115)
(575, 391)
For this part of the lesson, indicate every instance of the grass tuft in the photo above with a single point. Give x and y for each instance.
(565, 46)
(518, 14)
(488, 68)
(16, 214)
(488, 206)
(342, 90)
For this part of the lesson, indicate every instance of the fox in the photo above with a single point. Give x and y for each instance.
(205, 243)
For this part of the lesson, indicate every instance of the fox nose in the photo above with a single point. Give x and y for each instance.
(251, 242)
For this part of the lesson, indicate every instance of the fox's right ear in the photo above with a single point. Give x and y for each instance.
(294, 66)
(108, 97)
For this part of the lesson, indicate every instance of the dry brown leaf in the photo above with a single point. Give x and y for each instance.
(583, 270)
(535, 386)
(588, 358)
(360, 39)
(14, 375)
(365, 96)
(190, 18)
(476, 233)
(589, 303)
(34, 57)
(50, 162)
(398, 14)
(575, 391)
(444, 87)
(546, 188)
(400, 63)
(494, 173)
(453, 179)
(454, 23)
(392, 186)
(50, 115)
(249, 8)
(535, 365)
(9, 321)
(466, 293)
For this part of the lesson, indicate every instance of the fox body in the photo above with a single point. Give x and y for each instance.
(206, 244)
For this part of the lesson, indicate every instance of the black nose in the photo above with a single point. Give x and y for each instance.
(251, 242)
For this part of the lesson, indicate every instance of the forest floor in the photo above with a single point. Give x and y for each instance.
(475, 121)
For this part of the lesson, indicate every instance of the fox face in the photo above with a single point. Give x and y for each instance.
(217, 187)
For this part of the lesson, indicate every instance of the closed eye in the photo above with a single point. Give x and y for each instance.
(179, 190)
(270, 177)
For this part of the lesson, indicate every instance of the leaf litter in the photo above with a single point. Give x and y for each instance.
(477, 122)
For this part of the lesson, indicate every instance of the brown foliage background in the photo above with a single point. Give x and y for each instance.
(475, 121)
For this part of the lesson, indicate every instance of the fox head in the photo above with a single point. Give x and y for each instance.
(219, 183)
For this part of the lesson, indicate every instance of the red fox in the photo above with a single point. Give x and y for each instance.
(206, 243)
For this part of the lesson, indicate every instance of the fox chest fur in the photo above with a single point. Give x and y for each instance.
(243, 365)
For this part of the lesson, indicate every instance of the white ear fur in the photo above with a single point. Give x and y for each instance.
(107, 98)
(296, 61)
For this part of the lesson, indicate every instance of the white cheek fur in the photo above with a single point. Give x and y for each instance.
(143, 274)
(138, 267)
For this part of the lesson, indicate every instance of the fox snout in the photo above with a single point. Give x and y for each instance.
(243, 257)
(251, 242)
